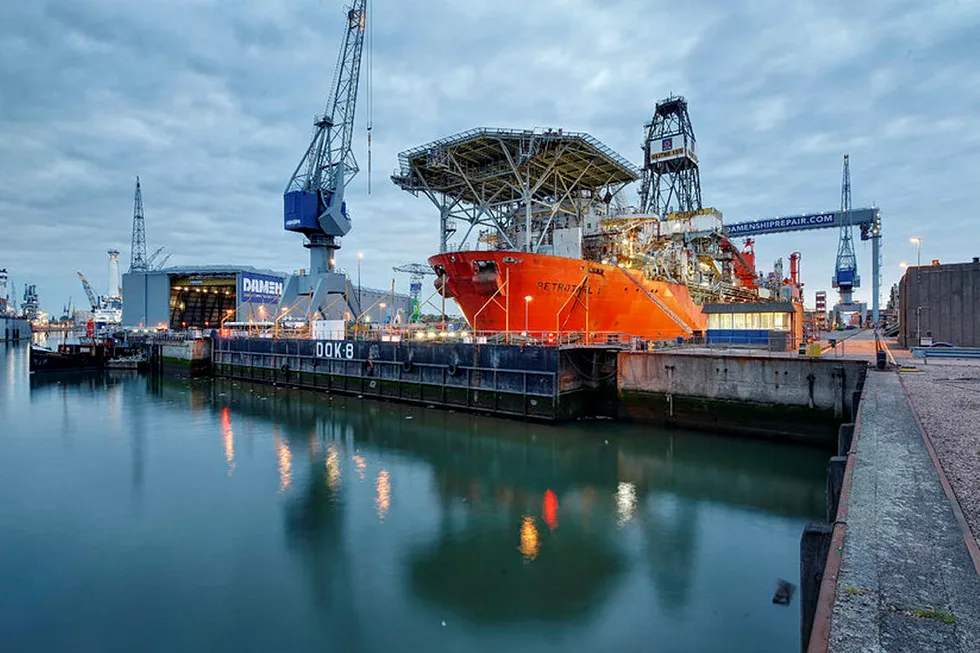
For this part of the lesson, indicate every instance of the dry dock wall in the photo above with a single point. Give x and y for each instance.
(534, 382)
(778, 397)
(181, 357)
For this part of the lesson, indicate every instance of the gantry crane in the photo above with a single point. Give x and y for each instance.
(313, 202)
(417, 272)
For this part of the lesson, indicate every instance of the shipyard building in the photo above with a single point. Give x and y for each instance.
(207, 297)
(940, 303)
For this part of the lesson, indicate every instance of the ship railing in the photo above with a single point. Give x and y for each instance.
(439, 334)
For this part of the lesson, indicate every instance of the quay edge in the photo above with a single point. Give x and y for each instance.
(777, 397)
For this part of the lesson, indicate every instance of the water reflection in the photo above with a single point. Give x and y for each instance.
(383, 498)
(228, 438)
(549, 509)
(284, 461)
(530, 542)
(332, 464)
(625, 503)
(494, 554)
(360, 466)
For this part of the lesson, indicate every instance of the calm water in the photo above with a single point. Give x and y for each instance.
(168, 516)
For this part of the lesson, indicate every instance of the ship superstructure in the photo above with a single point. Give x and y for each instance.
(535, 234)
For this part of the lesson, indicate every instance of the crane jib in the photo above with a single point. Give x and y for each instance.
(328, 164)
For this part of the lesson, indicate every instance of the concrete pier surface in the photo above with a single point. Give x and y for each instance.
(906, 579)
(946, 397)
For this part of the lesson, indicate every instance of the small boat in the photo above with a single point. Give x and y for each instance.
(135, 361)
(91, 354)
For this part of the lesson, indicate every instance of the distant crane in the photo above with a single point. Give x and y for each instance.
(313, 202)
(138, 262)
(418, 271)
(93, 299)
(846, 278)
(153, 257)
(153, 263)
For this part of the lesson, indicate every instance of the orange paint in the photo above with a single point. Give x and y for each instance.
(619, 300)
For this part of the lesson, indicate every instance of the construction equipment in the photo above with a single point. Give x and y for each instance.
(153, 264)
(93, 299)
(138, 261)
(846, 278)
(417, 272)
(313, 202)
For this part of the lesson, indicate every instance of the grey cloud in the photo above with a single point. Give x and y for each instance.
(212, 102)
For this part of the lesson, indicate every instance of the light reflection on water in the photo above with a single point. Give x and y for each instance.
(530, 542)
(383, 499)
(284, 461)
(228, 438)
(518, 536)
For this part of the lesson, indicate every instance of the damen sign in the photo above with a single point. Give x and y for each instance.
(259, 289)
(334, 349)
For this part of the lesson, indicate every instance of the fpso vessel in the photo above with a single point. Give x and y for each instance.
(636, 276)
(555, 253)
(539, 293)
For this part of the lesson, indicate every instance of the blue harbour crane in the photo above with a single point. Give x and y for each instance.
(846, 278)
(313, 202)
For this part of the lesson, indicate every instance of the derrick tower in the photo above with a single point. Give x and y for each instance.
(671, 181)
(138, 260)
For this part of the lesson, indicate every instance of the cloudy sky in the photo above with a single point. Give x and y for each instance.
(211, 102)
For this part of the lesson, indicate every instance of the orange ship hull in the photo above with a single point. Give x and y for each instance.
(540, 293)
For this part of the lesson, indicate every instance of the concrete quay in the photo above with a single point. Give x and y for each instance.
(13, 329)
(782, 397)
(902, 568)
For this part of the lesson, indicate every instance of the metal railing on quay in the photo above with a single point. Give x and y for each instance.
(780, 345)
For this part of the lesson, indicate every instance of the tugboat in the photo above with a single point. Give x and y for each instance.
(94, 352)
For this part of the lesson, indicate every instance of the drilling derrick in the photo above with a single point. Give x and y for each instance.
(138, 260)
(671, 181)
(313, 202)
(846, 278)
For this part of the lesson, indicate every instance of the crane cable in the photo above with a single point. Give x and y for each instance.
(369, 96)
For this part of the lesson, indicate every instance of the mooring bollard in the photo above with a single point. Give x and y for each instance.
(814, 547)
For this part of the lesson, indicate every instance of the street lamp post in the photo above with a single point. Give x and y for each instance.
(527, 311)
(360, 257)
(275, 324)
(915, 240)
